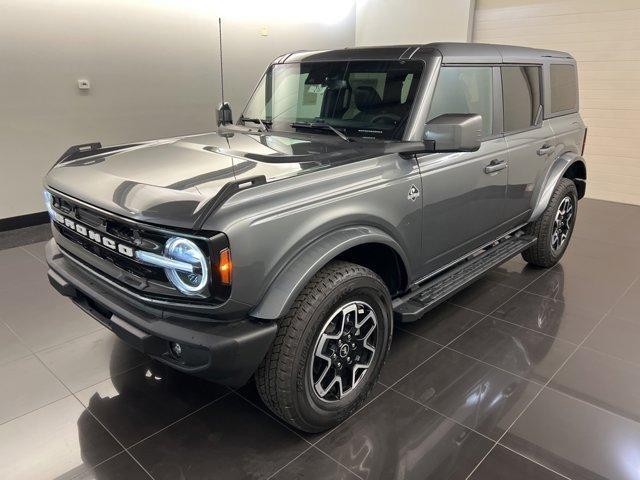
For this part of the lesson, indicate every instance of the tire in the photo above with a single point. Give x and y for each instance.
(543, 253)
(287, 378)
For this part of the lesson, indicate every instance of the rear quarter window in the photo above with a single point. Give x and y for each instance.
(564, 88)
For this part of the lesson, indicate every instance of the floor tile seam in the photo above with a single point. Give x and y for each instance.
(93, 415)
(33, 255)
(553, 376)
(586, 402)
(532, 330)
(175, 422)
(272, 416)
(99, 328)
(534, 461)
(457, 422)
(283, 467)
(611, 356)
(356, 413)
(123, 372)
(503, 370)
(436, 352)
(17, 417)
(124, 449)
(337, 461)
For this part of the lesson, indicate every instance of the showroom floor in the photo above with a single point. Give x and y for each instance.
(527, 369)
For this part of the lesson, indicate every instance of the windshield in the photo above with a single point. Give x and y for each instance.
(360, 98)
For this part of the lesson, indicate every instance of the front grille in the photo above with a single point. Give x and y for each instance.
(126, 264)
(149, 280)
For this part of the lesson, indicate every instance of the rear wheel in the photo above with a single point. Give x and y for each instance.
(329, 349)
(554, 227)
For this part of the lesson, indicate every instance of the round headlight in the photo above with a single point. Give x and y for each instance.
(183, 250)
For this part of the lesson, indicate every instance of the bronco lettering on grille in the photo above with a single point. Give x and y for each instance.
(97, 237)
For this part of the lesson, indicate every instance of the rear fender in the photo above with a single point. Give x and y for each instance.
(554, 174)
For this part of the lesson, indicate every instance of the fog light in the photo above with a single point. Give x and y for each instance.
(176, 349)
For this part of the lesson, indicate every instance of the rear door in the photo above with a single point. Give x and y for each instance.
(529, 138)
(464, 193)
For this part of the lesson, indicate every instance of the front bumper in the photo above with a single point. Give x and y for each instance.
(224, 351)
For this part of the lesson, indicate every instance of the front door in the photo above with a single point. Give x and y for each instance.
(463, 193)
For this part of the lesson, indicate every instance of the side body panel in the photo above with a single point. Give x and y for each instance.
(271, 225)
(530, 152)
(463, 207)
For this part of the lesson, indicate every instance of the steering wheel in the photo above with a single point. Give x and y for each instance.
(386, 118)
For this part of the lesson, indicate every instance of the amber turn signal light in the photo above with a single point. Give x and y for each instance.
(225, 267)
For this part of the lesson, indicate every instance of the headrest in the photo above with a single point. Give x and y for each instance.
(367, 98)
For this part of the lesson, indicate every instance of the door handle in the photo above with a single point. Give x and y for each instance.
(495, 166)
(546, 148)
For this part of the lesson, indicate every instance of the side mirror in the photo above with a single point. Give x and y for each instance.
(454, 132)
(224, 115)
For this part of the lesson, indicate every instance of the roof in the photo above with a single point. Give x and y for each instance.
(450, 53)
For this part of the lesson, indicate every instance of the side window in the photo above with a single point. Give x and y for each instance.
(521, 96)
(564, 88)
(464, 90)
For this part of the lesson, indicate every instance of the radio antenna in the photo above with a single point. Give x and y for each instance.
(221, 67)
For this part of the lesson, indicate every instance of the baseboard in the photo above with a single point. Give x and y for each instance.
(23, 221)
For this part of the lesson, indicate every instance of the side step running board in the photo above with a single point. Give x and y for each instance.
(415, 304)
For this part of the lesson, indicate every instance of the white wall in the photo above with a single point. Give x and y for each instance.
(604, 37)
(153, 67)
(393, 22)
(299, 26)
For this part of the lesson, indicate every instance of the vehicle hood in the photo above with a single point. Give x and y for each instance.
(168, 182)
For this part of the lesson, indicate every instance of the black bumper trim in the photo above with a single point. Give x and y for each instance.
(226, 352)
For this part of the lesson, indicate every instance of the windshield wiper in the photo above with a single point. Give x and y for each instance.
(321, 126)
(263, 123)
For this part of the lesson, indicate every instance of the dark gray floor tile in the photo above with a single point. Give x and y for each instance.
(230, 437)
(26, 385)
(394, 437)
(618, 273)
(43, 318)
(576, 439)
(90, 359)
(24, 236)
(483, 296)
(314, 465)
(617, 337)
(37, 249)
(477, 395)
(515, 273)
(518, 350)
(11, 348)
(552, 317)
(581, 249)
(503, 464)
(407, 352)
(628, 308)
(53, 441)
(601, 380)
(589, 291)
(443, 324)
(597, 219)
(138, 403)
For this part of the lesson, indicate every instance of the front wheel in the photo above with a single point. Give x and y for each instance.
(329, 349)
(554, 227)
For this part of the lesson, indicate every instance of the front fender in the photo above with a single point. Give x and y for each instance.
(551, 179)
(291, 280)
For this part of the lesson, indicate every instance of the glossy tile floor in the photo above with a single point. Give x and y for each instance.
(528, 374)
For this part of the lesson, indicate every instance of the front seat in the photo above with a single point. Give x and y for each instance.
(367, 100)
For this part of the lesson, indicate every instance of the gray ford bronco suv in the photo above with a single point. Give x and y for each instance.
(359, 187)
